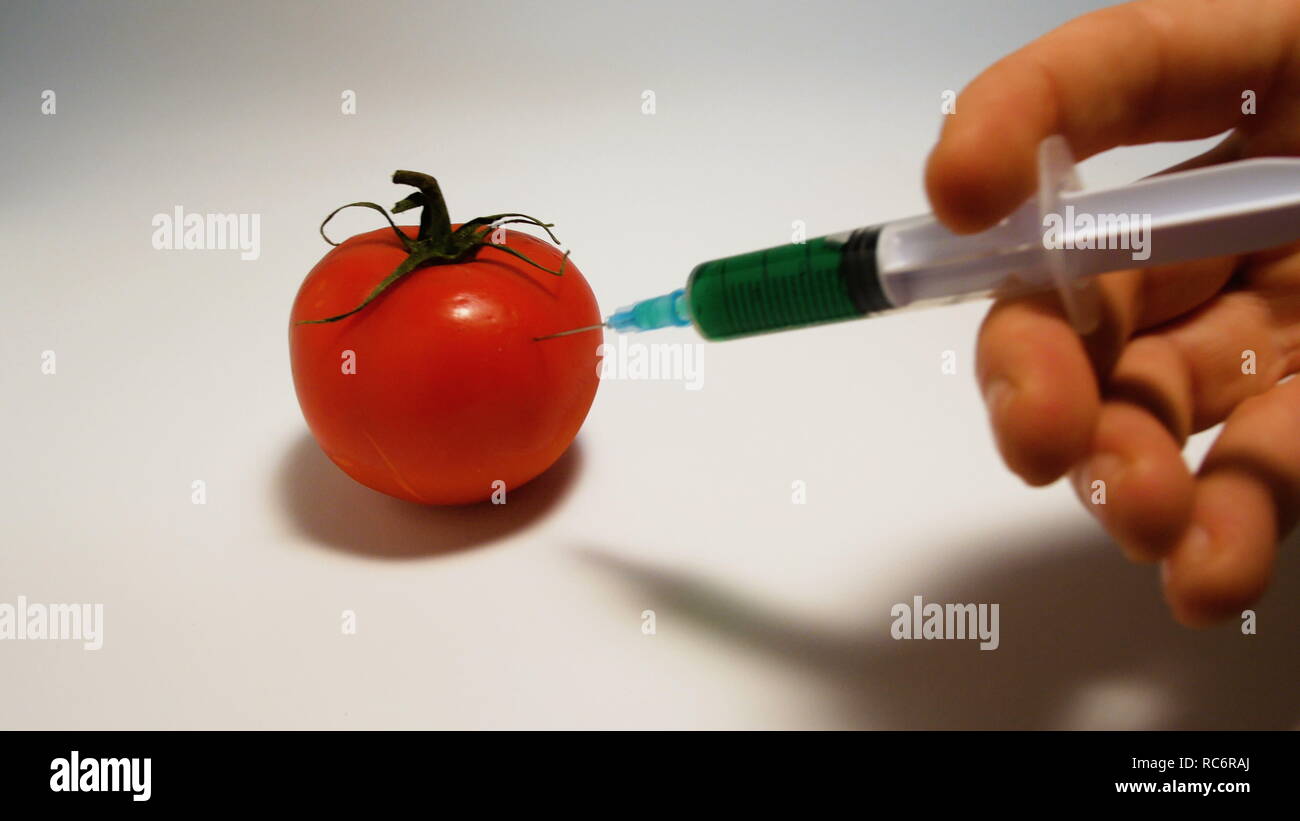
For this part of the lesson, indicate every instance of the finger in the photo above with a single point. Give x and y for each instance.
(1152, 375)
(1039, 387)
(1135, 482)
(1235, 347)
(1247, 494)
(1141, 72)
(1191, 373)
(1169, 291)
(1139, 298)
(1165, 386)
(1039, 378)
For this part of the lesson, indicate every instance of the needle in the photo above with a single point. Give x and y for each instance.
(648, 314)
(566, 333)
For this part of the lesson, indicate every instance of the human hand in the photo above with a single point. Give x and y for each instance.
(1167, 359)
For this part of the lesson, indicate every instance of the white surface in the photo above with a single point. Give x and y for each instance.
(172, 366)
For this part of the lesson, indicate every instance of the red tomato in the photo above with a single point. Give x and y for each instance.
(451, 392)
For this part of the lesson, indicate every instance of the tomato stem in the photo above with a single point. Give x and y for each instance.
(436, 243)
(435, 225)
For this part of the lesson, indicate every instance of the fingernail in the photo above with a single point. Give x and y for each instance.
(998, 394)
(1194, 546)
(1105, 467)
(1189, 604)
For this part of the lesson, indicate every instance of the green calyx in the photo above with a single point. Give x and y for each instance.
(436, 243)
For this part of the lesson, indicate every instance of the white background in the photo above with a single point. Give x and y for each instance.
(173, 366)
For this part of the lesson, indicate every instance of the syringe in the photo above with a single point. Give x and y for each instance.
(1059, 239)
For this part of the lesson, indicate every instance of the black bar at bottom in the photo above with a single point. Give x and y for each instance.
(337, 769)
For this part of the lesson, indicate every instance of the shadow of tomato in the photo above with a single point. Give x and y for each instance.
(332, 510)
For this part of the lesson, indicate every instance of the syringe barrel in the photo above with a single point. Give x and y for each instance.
(826, 279)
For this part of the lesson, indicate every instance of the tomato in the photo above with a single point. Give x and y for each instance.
(438, 391)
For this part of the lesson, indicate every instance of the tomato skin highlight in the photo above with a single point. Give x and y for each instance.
(451, 392)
